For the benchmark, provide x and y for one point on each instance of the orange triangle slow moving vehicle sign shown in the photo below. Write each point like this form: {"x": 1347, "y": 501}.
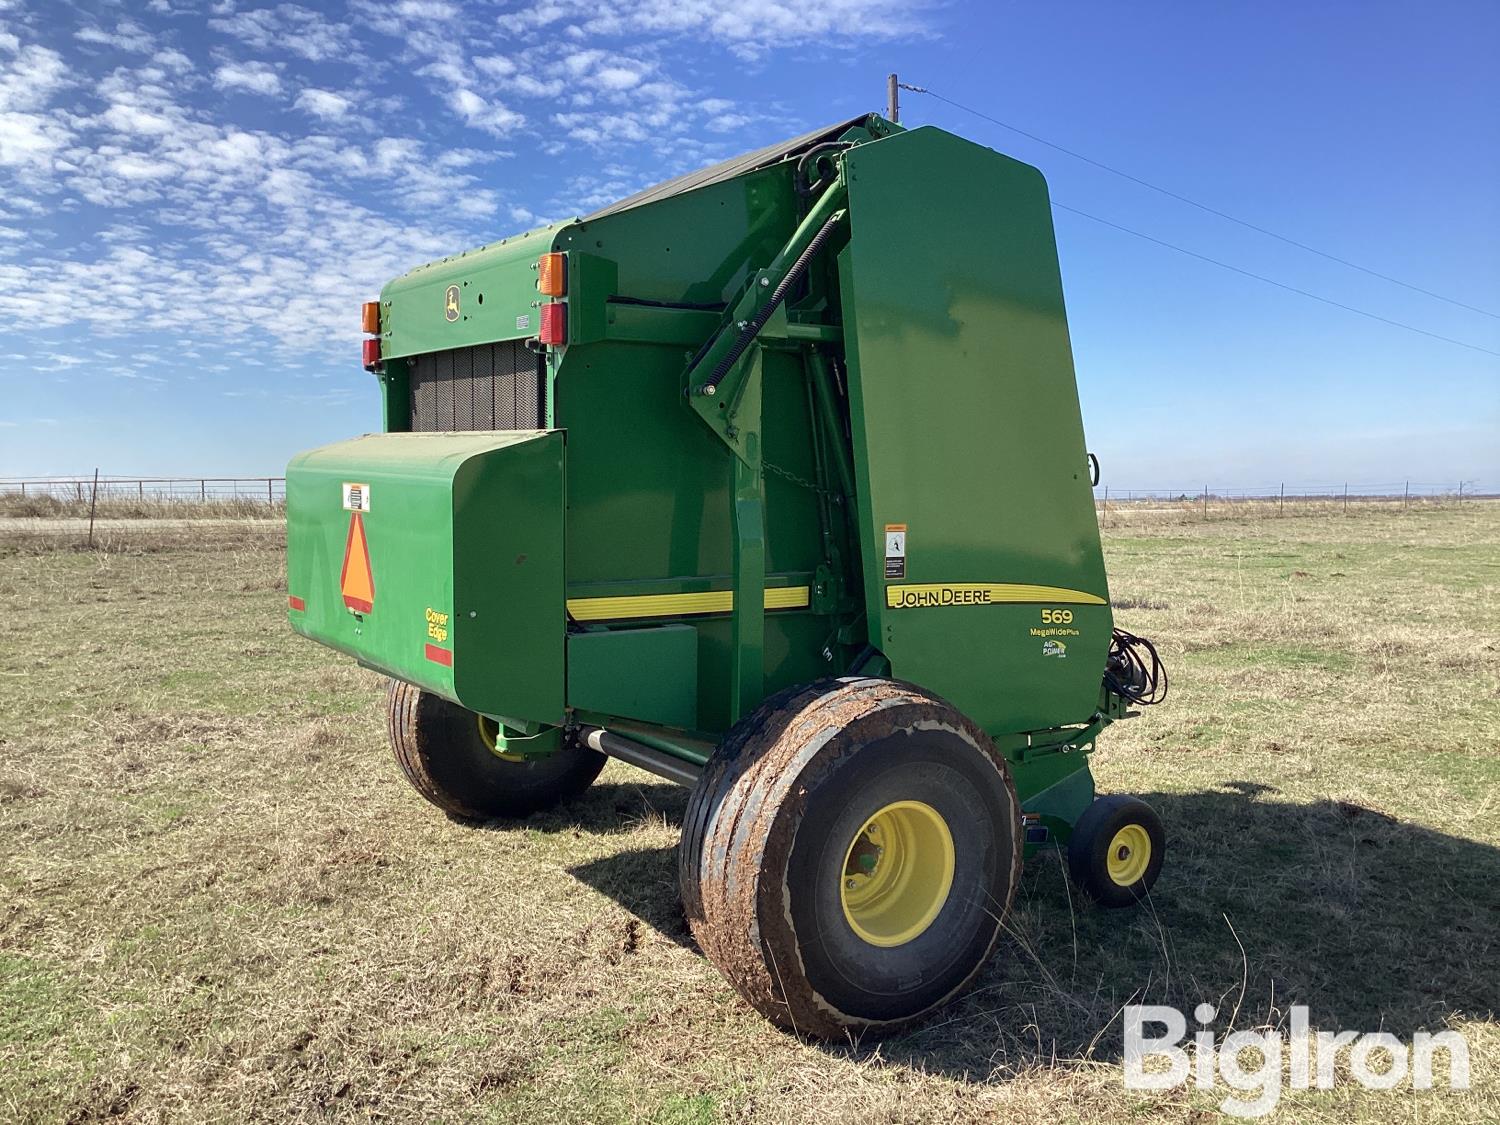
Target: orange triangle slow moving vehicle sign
{"x": 357, "y": 580}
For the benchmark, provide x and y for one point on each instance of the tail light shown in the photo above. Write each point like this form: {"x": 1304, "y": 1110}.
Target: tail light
{"x": 369, "y": 321}
{"x": 554, "y": 323}
{"x": 552, "y": 275}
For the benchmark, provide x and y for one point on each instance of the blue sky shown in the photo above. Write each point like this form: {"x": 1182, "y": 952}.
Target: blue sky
{"x": 196, "y": 196}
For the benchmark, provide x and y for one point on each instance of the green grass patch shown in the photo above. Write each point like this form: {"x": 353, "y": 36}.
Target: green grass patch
{"x": 219, "y": 901}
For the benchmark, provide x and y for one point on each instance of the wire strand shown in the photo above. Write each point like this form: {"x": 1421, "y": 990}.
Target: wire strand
{"x": 1273, "y": 281}
{"x": 1201, "y": 206}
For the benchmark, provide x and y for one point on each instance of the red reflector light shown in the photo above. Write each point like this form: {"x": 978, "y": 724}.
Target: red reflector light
{"x": 372, "y": 354}
{"x": 369, "y": 317}
{"x": 440, "y": 656}
{"x": 555, "y": 323}
{"x": 294, "y": 602}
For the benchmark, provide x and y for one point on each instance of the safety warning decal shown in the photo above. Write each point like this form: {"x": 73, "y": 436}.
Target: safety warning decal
{"x": 895, "y": 550}
{"x": 357, "y": 580}
{"x": 356, "y": 497}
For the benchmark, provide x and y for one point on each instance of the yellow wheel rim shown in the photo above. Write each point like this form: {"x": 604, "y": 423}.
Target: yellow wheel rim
{"x": 1129, "y": 855}
{"x": 489, "y": 732}
{"x": 897, "y": 873}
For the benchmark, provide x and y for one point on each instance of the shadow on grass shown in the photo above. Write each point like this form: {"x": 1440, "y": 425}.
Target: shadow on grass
{"x": 604, "y": 809}
{"x": 1372, "y": 923}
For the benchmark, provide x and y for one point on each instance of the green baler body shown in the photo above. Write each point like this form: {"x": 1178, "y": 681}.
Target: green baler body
{"x": 465, "y": 541}
{"x": 935, "y": 322}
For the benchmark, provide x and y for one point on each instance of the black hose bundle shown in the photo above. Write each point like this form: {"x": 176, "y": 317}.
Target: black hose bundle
{"x": 1134, "y": 670}
{"x": 756, "y": 323}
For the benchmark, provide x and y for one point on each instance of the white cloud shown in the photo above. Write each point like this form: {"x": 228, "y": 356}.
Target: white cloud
{"x": 216, "y": 217}
{"x": 127, "y": 36}
{"x": 750, "y": 27}
{"x": 289, "y": 27}
{"x": 31, "y": 141}
{"x": 32, "y": 78}
{"x": 617, "y": 77}
{"x": 496, "y": 66}
{"x": 253, "y": 77}
{"x": 727, "y": 122}
{"x": 492, "y": 117}
{"x": 324, "y": 104}
{"x": 174, "y": 60}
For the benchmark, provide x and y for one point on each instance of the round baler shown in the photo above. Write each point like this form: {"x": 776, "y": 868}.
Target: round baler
{"x": 770, "y": 480}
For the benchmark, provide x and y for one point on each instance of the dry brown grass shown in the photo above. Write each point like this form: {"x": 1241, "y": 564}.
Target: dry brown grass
{"x": 14, "y": 506}
{"x": 218, "y": 901}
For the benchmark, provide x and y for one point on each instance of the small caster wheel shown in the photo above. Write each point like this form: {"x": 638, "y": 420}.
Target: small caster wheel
{"x": 1116, "y": 850}
{"x": 450, "y": 756}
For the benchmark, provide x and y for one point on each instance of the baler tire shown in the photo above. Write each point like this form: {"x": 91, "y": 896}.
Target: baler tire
{"x": 1104, "y": 852}
{"x": 441, "y": 751}
{"x": 783, "y": 811}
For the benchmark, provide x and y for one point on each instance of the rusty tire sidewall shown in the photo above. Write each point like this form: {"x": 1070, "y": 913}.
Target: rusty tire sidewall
{"x": 901, "y": 753}
{"x": 759, "y": 793}
{"x": 740, "y": 749}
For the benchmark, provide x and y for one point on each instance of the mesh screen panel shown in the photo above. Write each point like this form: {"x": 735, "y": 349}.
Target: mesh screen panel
{"x": 486, "y": 387}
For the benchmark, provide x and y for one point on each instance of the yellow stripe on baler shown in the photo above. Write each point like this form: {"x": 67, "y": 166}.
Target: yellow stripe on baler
{"x": 680, "y": 605}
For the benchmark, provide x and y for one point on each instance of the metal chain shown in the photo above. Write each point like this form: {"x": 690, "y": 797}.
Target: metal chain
{"x": 787, "y": 474}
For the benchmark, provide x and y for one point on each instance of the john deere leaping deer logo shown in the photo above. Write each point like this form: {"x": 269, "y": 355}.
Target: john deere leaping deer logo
{"x": 450, "y": 303}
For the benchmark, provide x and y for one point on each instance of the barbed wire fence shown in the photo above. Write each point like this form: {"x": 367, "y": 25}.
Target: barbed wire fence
{"x": 82, "y": 490}
{"x": 42, "y": 496}
{"x": 1207, "y": 502}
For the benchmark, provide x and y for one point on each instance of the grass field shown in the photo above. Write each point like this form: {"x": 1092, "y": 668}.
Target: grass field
{"x": 218, "y": 900}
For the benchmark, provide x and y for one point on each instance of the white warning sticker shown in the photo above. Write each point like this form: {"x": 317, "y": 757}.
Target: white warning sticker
{"x": 356, "y": 497}
{"x": 895, "y": 550}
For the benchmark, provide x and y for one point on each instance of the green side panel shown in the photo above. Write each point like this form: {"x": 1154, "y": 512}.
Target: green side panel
{"x": 1058, "y": 785}
{"x": 649, "y": 486}
{"x": 465, "y": 544}
{"x": 646, "y": 674}
{"x": 967, "y": 430}
{"x": 495, "y": 290}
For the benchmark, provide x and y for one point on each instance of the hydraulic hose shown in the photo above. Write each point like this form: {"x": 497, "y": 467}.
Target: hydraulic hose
{"x": 753, "y": 326}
